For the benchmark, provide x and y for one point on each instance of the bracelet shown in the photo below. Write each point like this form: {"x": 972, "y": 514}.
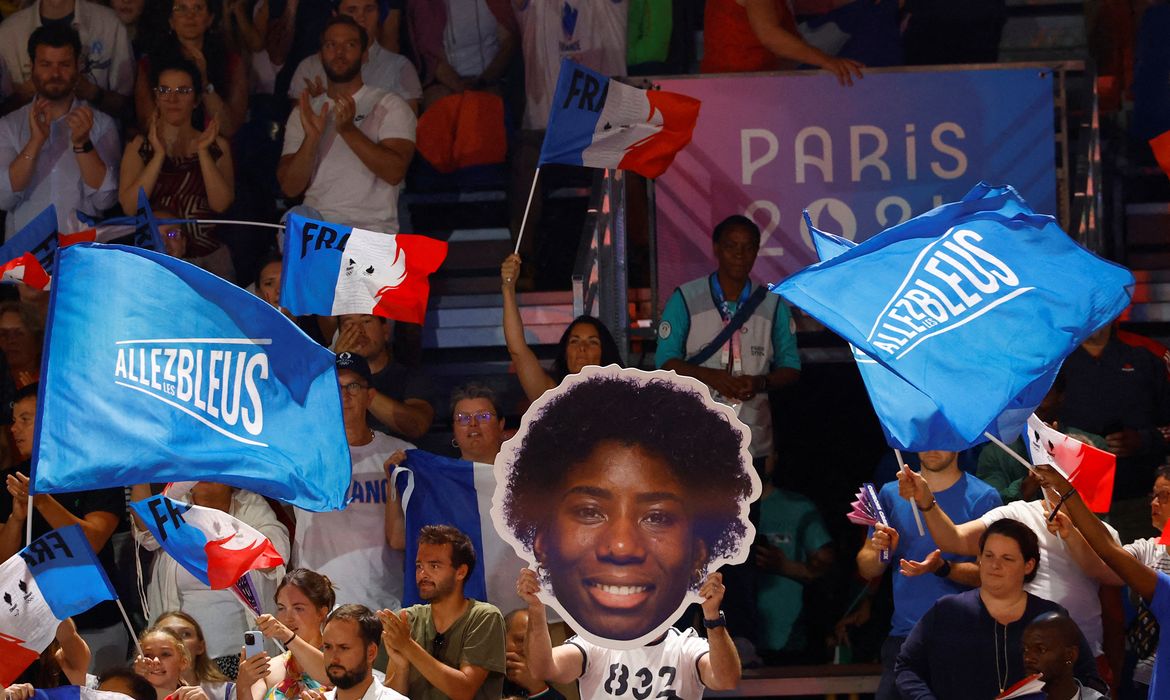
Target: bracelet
{"x": 1069, "y": 494}
{"x": 290, "y": 640}
{"x": 26, "y": 156}
{"x": 928, "y": 508}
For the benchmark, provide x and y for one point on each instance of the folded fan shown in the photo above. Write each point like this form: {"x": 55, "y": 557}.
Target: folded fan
{"x": 867, "y": 511}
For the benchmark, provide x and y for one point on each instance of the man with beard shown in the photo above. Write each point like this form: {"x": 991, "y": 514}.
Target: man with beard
{"x": 451, "y": 646}
{"x": 57, "y": 149}
{"x": 347, "y": 149}
{"x": 349, "y": 646}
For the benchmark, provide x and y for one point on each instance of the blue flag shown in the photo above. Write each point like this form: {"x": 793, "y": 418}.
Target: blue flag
{"x": 38, "y": 237}
{"x": 143, "y": 225}
{"x": 443, "y": 491}
{"x": 172, "y": 374}
{"x": 973, "y": 305}
{"x": 910, "y": 419}
{"x": 54, "y": 578}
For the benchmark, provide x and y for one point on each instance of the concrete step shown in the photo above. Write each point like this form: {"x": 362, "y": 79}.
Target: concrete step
{"x": 476, "y": 320}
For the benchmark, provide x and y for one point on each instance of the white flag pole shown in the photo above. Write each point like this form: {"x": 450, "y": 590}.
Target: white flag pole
{"x": 524, "y": 219}
{"x": 913, "y": 503}
{"x": 28, "y": 521}
{"x": 1027, "y": 465}
{"x": 129, "y": 627}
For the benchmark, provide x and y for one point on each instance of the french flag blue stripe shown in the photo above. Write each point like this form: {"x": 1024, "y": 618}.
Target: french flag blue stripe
{"x": 576, "y": 107}
{"x": 67, "y": 572}
{"x": 441, "y": 490}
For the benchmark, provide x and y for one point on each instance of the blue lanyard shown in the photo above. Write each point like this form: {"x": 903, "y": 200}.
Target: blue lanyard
{"x": 721, "y": 303}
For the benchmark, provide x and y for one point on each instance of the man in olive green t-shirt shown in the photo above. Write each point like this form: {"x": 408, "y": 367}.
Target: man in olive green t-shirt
{"x": 451, "y": 646}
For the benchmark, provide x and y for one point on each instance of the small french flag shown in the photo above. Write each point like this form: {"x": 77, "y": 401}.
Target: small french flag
{"x": 331, "y": 269}
{"x": 602, "y": 123}
{"x": 213, "y": 546}
{"x": 27, "y": 269}
{"x": 73, "y": 692}
{"x": 1088, "y": 469}
{"x": 54, "y": 578}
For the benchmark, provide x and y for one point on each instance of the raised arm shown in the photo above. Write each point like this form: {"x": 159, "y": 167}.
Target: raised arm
{"x": 1136, "y": 575}
{"x": 720, "y": 669}
{"x": 531, "y": 374}
{"x": 73, "y": 655}
{"x": 765, "y": 24}
{"x": 561, "y": 665}
{"x": 957, "y": 539}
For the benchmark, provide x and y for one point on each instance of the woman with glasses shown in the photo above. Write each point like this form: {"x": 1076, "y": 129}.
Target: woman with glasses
{"x": 192, "y": 34}
{"x": 182, "y": 169}
{"x": 477, "y": 423}
{"x": 585, "y": 342}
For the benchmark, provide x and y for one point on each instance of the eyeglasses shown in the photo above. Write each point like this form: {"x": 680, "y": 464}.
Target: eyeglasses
{"x": 165, "y": 90}
{"x": 439, "y": 645}
{"x": 354, "y": 388}
{"x": 1162, "y": 496}
{"x": 465, "y": 419}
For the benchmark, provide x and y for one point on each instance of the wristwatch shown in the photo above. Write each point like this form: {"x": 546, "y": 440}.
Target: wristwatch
{"x": 944, "y": 570}
{"x": 84, "y": 148}
{"x": 720, "y": 621}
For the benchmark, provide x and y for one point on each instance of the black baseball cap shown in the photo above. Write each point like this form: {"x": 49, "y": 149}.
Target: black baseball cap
{"x": 354, "y": 363}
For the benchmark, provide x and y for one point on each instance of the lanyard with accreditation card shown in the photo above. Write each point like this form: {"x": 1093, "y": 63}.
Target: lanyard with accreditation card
{"x": 731, "y": 355}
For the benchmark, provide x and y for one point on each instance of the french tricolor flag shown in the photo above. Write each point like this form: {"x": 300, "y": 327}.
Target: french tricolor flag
{"x": 602, "y": 123}
{"x": 440, "y": 490}
{"x": 54, "y": 578}
{"x": 26, "y": 269}
{"x": 213, "y": 546}
{"x": 331, "y": 269}
{"x": 1088, "y": 469}
{"x": 73, "y": 692}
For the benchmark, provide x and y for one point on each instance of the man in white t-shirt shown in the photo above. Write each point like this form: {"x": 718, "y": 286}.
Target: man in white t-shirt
{"x": 676, "y": 665}
{"x": 107, "y": 60}
{"x": 347, "y": 149}
{"x": 360, "y": 548}
{"x": 1069, "y": 572}
{"x": 381, "y": 68}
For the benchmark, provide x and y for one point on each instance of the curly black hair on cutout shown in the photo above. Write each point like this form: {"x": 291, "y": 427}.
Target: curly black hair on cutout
{"x": 699, "y": 446}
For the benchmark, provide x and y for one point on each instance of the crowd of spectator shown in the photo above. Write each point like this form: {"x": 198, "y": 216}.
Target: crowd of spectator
{"x": 249, "y": 108}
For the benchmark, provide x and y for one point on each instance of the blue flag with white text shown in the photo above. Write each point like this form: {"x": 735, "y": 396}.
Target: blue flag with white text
{"x": 169, "y": 373}
{"x": 910, "y": 419}
{"x": 974, "y": 305}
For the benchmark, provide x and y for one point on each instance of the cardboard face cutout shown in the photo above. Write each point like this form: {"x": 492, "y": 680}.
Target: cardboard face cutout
{"x": 623, "y": 489}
